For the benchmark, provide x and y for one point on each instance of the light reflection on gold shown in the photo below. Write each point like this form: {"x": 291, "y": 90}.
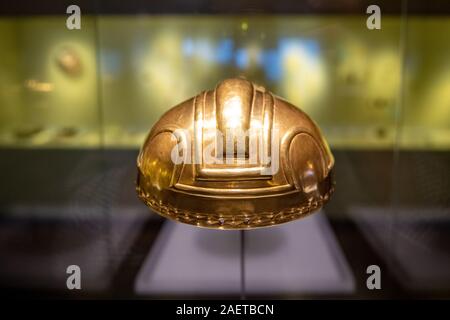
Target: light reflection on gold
{"x": 232, "y": 112}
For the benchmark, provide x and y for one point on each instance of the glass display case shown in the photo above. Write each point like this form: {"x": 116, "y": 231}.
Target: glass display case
{"x": 76, "y": 105}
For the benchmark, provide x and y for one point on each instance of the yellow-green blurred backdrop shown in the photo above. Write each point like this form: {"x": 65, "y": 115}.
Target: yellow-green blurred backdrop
{"x": 365, "y": 88}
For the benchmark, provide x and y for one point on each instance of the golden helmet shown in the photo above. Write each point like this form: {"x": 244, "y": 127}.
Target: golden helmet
{"x": 236, "y": 157}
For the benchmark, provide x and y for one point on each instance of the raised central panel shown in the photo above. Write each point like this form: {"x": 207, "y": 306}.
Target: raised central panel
{"x": 232, "y": 133}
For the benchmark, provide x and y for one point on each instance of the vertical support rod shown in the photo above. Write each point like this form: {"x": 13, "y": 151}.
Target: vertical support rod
{"x": 242, "y": 238}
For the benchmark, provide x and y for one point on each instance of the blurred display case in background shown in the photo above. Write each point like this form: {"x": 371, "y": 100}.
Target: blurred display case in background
{"x": 110, "y": 82}
{"x": 75, "y": 105}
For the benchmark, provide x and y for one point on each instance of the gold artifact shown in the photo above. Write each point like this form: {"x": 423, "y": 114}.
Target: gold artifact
{"x": 236, "y": 157}
{"x": 69, "y": 61}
